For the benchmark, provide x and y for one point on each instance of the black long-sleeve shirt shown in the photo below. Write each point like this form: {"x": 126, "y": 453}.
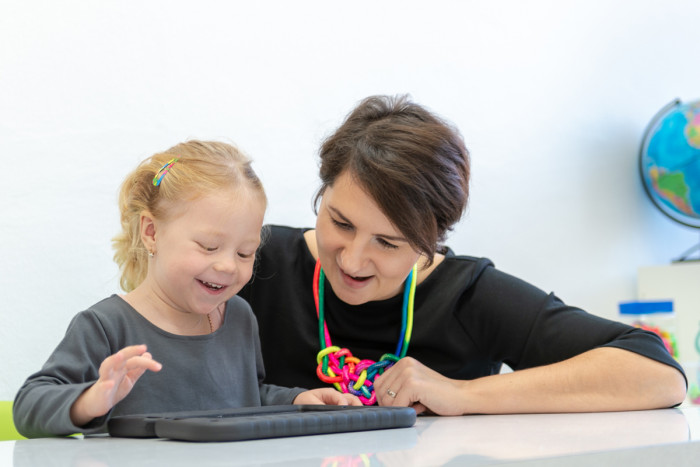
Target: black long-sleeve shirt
{"x": 469, "y": 319}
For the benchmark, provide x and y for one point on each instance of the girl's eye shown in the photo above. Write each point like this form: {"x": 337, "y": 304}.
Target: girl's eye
{"x": 387, "y": 245}
{"x": 207, "y": 248}
{"x": 246, "y": 255}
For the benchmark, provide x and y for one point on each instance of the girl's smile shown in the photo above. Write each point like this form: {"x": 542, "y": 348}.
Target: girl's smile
{"x": 203, "y": 254}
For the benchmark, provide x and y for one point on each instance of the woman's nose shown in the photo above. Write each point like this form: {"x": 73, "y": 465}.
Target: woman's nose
{"x": 352, "y": 258}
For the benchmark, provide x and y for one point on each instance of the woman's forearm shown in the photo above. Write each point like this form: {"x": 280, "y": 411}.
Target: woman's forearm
{"x": 603, "y": 379}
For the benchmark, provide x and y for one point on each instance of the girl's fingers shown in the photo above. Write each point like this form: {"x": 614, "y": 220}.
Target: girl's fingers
{"x": 128, "y": 359}
{"x": 142, "y": 363}
{"x": 132, "y": 351}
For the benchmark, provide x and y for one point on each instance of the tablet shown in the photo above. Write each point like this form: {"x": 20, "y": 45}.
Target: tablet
{"x": 271, "y": 421}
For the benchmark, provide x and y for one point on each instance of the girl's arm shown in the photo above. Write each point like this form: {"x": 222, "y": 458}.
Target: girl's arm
{"x": 118, "y": 374}
{"x": 44, "y": 404}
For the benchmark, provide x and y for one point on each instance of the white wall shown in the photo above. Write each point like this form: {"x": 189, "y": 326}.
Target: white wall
{"x": 552, "y": 98}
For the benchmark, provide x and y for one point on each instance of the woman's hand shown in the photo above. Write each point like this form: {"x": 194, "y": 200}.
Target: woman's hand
{"x": 118, "y": 374}
{"x": 599, "y": 380}
{"x": 409, "y": 383}
{"x": 326, "y": 396}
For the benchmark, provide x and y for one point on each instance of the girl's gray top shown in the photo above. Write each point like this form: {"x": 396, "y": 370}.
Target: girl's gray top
{"x": 223, "y": 369}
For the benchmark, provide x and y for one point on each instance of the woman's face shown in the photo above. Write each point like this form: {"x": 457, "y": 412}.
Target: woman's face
{"x": 363, "y": 256}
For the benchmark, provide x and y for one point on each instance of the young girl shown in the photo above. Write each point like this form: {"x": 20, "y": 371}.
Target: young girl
{"x": 180, "y": 338}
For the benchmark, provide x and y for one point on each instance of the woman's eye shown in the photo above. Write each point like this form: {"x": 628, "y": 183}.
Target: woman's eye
{"x": 387, "y": 245}
{"x": 341, "y": 225}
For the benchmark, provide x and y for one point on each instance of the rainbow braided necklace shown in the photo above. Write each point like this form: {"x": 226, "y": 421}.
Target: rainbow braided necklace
{"x": 338, "y": 366}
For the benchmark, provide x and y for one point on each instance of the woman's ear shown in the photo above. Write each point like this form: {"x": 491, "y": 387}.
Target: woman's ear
{"x": 148, "y": 231}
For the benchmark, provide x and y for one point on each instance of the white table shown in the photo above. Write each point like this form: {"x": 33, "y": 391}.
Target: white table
{"x": 656, "y": 437}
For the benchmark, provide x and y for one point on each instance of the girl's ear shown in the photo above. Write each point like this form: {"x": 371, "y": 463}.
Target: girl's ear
{"x": 148, "y": 231}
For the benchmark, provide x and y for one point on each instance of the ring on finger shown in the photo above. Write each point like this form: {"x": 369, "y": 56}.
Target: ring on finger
{"x": 391, "y": 393}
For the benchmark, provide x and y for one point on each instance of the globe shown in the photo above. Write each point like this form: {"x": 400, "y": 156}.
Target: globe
{"x": 669, "y": 161}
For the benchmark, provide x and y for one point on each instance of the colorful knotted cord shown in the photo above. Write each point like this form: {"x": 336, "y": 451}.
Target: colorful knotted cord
{"x": 338, "y": 366}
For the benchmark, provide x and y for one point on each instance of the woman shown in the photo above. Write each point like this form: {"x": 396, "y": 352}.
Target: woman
{"x": 373, "y": 277}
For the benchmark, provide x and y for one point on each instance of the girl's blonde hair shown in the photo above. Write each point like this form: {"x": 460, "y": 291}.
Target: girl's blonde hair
{"x": 202, "y": 167}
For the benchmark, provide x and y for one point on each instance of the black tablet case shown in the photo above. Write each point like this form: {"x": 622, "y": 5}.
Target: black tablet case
{"x": 260, "y": 422}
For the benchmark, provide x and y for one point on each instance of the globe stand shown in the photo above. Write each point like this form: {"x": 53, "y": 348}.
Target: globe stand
{"x": 685, "y": 256}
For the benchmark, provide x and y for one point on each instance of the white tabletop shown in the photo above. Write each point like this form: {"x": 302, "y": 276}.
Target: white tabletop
{"x": 656, "y": 437}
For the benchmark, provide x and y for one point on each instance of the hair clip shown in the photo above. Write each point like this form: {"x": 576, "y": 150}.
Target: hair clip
{"x": 163, "y": 170}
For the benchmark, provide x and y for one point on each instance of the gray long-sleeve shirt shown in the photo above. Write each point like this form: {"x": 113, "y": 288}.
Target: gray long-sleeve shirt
{"x": 219, "y": 370}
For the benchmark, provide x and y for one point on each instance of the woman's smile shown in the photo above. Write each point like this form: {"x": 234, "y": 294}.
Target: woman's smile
{"x": 363, "y": 256}
{"x": 354, "y": 281}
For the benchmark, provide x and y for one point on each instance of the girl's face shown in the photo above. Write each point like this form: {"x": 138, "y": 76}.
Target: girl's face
{"x": 204, "y": 251}
{"x": 363, "y": 256}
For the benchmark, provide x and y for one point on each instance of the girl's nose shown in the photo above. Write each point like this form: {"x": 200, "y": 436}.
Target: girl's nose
{"x": 226, "y": 264}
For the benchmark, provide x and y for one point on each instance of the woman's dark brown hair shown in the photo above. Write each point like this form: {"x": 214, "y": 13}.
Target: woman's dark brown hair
{"x": 410, "y": 161}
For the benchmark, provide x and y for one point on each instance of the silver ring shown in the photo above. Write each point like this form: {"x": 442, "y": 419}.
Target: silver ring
{"x": 391, "y": 393}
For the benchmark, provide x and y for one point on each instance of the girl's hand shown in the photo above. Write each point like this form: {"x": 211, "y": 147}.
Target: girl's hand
{"x": 118, "y": 374}
{"x": 409, "y": 383}
{"x": 326, "y": 396}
